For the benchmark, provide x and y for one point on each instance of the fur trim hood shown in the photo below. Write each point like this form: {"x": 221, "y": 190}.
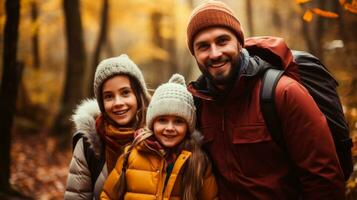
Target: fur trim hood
{"x": 84, "y": 120}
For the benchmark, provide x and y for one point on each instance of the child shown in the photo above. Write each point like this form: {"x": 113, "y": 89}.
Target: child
{"x": 165, "y": 161}
{"x": 105, "y": 126}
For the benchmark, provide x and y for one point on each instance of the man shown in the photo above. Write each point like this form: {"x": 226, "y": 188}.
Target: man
{"x": 248, "y": 163}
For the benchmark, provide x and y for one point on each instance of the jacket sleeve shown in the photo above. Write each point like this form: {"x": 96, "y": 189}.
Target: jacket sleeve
{"x": 209, "y": 189}
{"x": 111, "y": 184}
{"x": 309, "y": 142}
{"x": 79, "y": 183}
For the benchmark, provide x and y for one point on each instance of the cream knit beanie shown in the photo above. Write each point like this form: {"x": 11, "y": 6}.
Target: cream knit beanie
{"x": 115, "y": 66}
{"x": 172, "y": 98}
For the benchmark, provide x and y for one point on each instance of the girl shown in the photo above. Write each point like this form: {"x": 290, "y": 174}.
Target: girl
{"x": 165, "y": 161}
{"x": 105, "y": 126}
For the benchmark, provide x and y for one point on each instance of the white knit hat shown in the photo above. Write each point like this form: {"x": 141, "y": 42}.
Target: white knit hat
{"x": 172, "y": 98}
{"x": 109, "y": 67}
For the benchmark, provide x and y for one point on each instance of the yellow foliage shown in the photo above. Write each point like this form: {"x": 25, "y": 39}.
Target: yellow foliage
{"x": 145, "y": 52}
{"x": 308, "y": 16}
{"x": 352, "y": 7}
{"x": 324, "y": 13}
{"x": 302, "y": 1}
{"x": 351, "y": 184}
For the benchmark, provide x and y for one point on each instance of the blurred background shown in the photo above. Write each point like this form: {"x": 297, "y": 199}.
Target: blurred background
{"x": 50, "y": 48}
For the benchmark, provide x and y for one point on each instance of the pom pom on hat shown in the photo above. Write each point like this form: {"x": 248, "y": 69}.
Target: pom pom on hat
{"x": 172, "y": 98}
{"x": 178, "y": 78}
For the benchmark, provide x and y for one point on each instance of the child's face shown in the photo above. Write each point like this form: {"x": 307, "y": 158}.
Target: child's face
{"x": 119, "y": 100}
{"x": 170, "y": 130}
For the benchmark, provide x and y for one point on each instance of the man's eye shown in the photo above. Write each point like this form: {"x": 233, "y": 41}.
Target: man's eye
{"x": 202, "y": 46}
{"x": 222, "y": 41}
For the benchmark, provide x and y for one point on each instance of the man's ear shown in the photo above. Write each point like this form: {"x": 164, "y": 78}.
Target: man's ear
{"x": 239, "y": 47}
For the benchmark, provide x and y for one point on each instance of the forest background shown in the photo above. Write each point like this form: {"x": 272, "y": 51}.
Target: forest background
{"x": 50, "y": 48}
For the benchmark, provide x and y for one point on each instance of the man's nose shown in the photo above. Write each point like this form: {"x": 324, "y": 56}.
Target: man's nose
{"x": 215, "y": 52}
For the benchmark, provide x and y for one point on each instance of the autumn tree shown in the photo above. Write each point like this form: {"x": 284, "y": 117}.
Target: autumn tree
{"x": 101, "y": 41}
{"x": 35, "y": 35}
{"x": 75, "y": 66}
{"x": 249, "y": 11}
{"x": 9, "y": 85}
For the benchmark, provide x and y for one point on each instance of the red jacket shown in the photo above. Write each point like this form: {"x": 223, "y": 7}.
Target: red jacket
{"x": 249, "y": 164}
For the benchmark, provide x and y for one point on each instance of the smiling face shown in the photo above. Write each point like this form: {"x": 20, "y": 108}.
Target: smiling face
{"x": 170, "y": 130}
{"x": 217, "y": 51}
{"x": 119, "y": 100}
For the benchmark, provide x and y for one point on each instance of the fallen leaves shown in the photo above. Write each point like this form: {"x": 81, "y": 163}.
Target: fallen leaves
{"x": 37, "y": 169}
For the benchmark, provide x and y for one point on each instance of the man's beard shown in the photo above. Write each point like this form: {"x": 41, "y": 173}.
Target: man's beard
{"x": 220, "y": 79}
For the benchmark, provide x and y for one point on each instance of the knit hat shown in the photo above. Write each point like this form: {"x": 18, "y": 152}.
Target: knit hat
{"x": 212, "y": 13}
{"x": 172, "y": 98}
{"x": 110, "y": 67}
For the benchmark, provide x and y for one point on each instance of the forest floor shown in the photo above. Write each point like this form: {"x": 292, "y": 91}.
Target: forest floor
{"x": 38, "y": 169}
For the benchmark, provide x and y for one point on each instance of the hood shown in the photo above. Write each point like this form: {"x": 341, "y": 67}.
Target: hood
{"x": 84, "y": 120}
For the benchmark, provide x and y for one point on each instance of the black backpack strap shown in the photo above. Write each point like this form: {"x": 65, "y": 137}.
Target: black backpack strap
{"x": 267, "y": 103}
{"x": 95, "y": 163}
{"x": 197, "y": 102}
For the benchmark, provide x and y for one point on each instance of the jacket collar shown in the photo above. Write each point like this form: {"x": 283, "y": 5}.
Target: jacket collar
{"x": 249, "y": 67}
{"x": 84, "y": 120}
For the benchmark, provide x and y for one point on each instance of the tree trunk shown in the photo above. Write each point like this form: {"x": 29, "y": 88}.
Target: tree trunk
{"x": 9, "y": 85}
{"x": 276, "y": 16}
{"x": 75, "y": 66}
{"x": 249, "y": 10}
{"x": 171, "y": 48}
{"x": 305, "y": 29}
{"x": 156, "y": 18}
{"x": 35, "y": 40}
{"x": 319, "y": 33}
{"x": 102, "y": 39}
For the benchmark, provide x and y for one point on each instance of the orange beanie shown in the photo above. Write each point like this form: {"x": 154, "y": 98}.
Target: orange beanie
{"x": 212, "y": 13}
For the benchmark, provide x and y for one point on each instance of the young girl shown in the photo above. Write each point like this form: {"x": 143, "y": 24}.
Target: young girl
{"x": 105, "y": 126}
{"x": 165, "y": 161}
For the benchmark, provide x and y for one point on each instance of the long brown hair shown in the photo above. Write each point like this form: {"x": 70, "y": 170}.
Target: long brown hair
{"x": 142, "y": 101}
{"x": 195, "y": 168}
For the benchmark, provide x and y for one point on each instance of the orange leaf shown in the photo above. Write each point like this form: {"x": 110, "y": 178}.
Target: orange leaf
{"x": 308, "y": 16}
{"x": 351, "y": 8}
{"x": 324, "y": 13}
{"x": 301, "y": 1}
{"x": 342, "y": 2}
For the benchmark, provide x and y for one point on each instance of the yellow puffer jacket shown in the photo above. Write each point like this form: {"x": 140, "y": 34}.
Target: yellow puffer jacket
{"x": 145, "y": 177}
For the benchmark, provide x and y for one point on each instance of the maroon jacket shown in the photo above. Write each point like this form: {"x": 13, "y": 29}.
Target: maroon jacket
{"x": 249, "y": 164}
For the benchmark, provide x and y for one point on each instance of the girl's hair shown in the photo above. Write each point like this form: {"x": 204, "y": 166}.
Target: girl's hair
{"x": 142, "y": 101}
{"x": 195, "y": 168}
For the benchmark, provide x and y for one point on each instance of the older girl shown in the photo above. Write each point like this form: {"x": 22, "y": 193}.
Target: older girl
{"x": 106, "y": 125}
{"x": 165, "y": 160}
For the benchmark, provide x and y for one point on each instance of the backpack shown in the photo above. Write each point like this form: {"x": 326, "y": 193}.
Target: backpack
{"x": 315, "y": 77}
{"x": 95, "y": 163}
